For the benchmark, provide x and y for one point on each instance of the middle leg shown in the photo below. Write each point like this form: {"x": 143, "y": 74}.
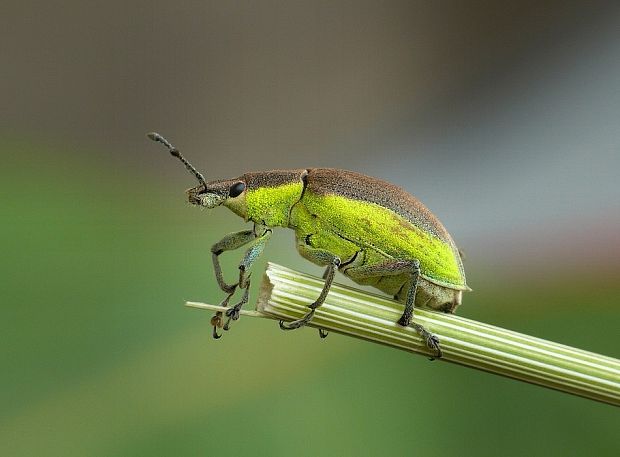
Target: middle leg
{"x": 321, "y": 257}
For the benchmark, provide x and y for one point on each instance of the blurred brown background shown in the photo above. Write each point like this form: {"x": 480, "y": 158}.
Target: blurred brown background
{"x": 501, "y": 116}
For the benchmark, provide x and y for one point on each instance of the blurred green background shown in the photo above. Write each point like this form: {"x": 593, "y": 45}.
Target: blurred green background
{"x": 501, "y": 117}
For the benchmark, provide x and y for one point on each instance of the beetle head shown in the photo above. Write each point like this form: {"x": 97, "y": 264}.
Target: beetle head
{"x": 230, "y": 192}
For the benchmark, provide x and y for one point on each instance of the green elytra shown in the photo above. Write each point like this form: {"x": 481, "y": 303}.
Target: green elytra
{"x": 370, "y": 230}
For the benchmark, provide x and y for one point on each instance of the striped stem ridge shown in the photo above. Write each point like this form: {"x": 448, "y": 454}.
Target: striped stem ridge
{"x": 285, "y": 295}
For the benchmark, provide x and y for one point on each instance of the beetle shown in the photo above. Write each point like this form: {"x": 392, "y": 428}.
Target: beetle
{"x": 371, "y": 231}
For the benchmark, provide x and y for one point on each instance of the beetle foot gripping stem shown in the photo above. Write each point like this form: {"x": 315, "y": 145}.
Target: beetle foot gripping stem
{"x": 432, "y": 342}
{"x": 217, "y": 320}
{"x": 298, "y": 323}
{"x": 301, "y": 322}
{"x": 233, "y": 313}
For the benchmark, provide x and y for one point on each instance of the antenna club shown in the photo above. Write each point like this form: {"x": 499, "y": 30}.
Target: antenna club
{"x": 175, "y": 152}
{"x": 160, "y": 139}
{"x": 154, "y": 136}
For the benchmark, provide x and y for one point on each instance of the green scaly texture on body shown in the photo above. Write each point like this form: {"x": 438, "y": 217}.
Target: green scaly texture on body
{"x": 384, "y": 231}
{"x": 272, "y": 205}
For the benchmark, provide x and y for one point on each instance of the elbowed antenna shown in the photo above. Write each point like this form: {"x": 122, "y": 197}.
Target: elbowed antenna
{"x": 175, "y": 152}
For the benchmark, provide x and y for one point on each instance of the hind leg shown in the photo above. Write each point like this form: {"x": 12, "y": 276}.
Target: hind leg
{"x": 394, "y": 267}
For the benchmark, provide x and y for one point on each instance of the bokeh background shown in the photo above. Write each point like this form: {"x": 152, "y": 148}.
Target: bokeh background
{"x": 503, "y": 117}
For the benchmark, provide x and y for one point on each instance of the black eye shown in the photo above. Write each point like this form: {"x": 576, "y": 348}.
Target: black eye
{"x": 236, "y": 189}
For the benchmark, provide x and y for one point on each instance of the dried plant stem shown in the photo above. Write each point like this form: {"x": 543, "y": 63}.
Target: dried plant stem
{"x": 285, "y": 294}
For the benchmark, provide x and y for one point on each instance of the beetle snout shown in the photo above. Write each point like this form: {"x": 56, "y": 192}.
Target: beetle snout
{"x": 193, "y": 195}
{"x": 193, "y": 198}
{"x": 204, "y": 199}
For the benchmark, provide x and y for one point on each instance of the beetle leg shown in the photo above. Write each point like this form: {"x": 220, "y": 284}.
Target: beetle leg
{"x": 405, "y": 319}
{"x": 230, "y": 242}
{"x": 216, "y": 321}
{"x": 322, "y": 332}
{"x": 233, "y": 313}
{"x": 251, "y": 255}
{"x": 397, "y": 267}
{"x": 244, "y": 277}
{"x": 333, "y": 263}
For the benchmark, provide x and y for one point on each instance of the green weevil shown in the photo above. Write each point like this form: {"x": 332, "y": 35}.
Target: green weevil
{"x": 371, "y": 231}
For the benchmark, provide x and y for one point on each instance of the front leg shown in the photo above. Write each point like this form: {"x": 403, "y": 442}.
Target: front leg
{"x": 320, "y": 257}
{"x": 230, "y": 242}
{"x": 246, "y": 263}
